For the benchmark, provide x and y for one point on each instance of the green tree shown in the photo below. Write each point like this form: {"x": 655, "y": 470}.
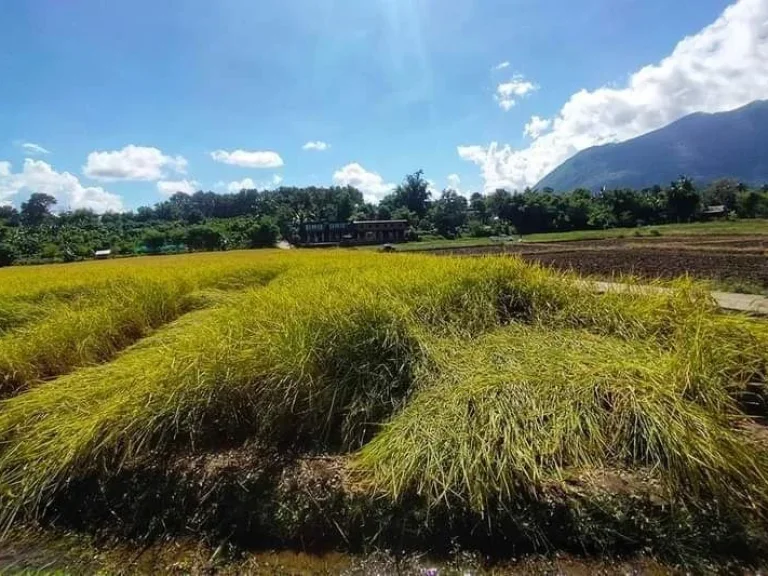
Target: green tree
{"x": 449, "y": 213}
{"x": 404, "y": 214}
{"x": 478, "y": 207}
{"x": 9, "y": 216}
{"x": 752, "y": 204}
{"x": 682, "y": 200}
{"x": 576, "y": 209}
{"x": 385, "y": 211}
{"x": 7, "y": 254}
{"x": 412, "y": 193}
{"x": 500, "y": 205}
{"x": 37, "y": 209}
{"x": 264, "y": 233}
{"x": 50, "y": 251}
{"x": 153, "y": 240}
{"x": 722, "y": 192}
{"x": 202, "y": 237}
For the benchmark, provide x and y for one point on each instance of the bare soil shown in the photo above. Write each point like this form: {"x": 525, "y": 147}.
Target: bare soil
{"x": 725, "y": 258}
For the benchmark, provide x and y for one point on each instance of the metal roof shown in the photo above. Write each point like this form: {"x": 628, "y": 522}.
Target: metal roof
{"x": 380, "y": 222}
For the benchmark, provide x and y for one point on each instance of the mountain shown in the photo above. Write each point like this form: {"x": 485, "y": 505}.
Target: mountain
{"x": 704, "y": 147}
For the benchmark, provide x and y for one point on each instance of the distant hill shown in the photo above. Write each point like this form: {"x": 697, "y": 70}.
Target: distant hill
{"x": 704, "y": 147}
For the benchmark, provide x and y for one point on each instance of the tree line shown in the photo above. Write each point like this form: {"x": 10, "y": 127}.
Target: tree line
{"x": 253, "y": 218}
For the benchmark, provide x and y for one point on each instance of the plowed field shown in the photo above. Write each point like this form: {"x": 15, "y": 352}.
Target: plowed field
{"x": 719, "y": 258}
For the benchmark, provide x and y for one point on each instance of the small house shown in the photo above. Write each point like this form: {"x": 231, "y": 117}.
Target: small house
{"x": 102, "y": 254}
{"x": 714, "y": 211}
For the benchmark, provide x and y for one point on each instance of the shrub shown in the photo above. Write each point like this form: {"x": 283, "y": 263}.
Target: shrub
{"x": 7, "y": 255}
{"x": 479, "y": 230}
{"x": 201, "y": 237}
{"x": 153, "y": 240}
{"x": 263, "y": 234}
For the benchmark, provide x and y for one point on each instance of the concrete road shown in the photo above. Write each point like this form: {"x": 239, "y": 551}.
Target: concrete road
{"x": 726, "y": 300}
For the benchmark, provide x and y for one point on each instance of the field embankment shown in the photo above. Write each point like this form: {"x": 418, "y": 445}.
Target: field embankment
{"x": 352, "y": 399}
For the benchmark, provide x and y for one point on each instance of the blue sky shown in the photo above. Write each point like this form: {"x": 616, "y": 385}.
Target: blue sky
{"x": 131, "y": 100}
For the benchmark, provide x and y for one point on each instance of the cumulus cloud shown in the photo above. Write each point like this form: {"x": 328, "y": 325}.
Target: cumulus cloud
{"x": 38, "y": 176}
{"x": 32, "y": 148}
{"x": 454, "y": 181}
{"x": 244, "y": 184}
{"x": 249, "y": 184}
{"x": 132, "y": 163}
{"x": 476, "y": 154}
{"x": 371, "y": 184}
{"x": 720, "y": 68}
{"x": 318, "y": 145}
{"x": 517, "y": 87}
{"x": 501, "y": 65}
{"x": 536, "y": 127}
{"x": 170, "y": 187}
{"x": 248, "y": 159}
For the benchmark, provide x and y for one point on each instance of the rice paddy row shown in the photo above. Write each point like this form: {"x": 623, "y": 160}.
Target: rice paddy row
{"x": 470, "y": 393}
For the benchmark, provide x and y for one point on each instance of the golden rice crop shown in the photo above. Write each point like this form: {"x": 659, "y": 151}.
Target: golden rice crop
{"x": 478, "y": 379}
{"x": 94, "y": 322}
{"x": 514, "y": 410}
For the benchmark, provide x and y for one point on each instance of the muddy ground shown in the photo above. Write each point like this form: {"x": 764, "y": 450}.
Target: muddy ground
{"x": 722, "y": 258}
{"x": 67, "y": 554}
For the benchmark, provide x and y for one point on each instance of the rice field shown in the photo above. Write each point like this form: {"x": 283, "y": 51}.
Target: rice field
{"x": 348, "y": 396}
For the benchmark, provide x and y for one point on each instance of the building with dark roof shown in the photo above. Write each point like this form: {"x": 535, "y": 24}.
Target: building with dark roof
{"x": 357, "y": 232}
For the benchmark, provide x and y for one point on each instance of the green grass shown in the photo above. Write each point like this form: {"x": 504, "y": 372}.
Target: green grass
{"x": 724, "y": 228}
{"x": 437, "y": 244}
{"x": 738, "y": 286}
{"x": 467, "y": 384}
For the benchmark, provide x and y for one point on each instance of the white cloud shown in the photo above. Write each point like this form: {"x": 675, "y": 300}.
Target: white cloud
{"x": 454, "y": 181}
{"x": 170, "y": 187}
{"x": 501, "y": 65}
{"x": 32, "y": 148}
{"x": 38, "y": 176}
{"x": 249, "y": 184}
{"x": 371, "y": 184}
{"x": 248, "y": 159}
{"x": 506, "y": 104}
{"x": 244, "y": 184}
{"x": 132, "y": 163}
{"x": 536, "y": 127}
{"x": 318, "y": 145}
{"x": 722, "y": 67}
{"x": 476, "y": 154}
{"x": 517, "y": 87}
